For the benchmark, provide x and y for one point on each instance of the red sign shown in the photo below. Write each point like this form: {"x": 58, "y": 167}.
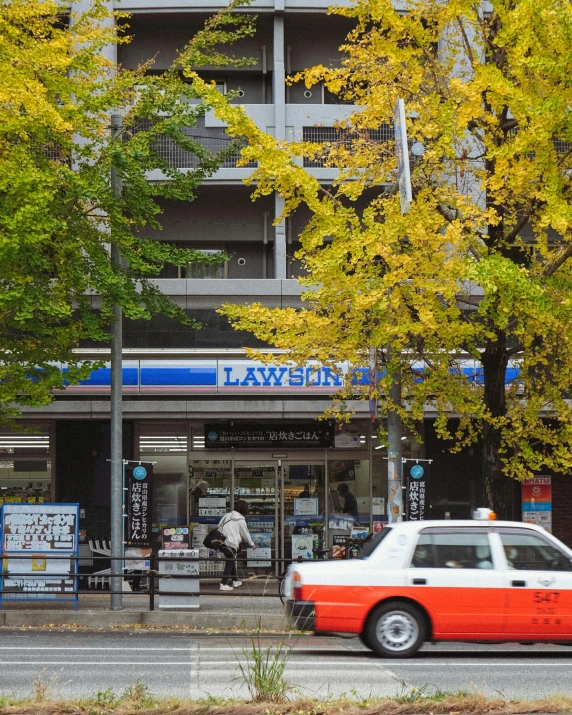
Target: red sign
{"x": 538, "y": 489}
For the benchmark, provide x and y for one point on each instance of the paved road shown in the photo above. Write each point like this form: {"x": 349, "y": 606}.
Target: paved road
{"x": 75, "y": 664}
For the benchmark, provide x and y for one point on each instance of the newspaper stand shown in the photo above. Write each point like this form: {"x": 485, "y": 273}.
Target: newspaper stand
{"x": 39, "y": 549}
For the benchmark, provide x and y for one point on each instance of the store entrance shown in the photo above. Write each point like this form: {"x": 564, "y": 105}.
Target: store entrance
{"x": 256, "y": 483}
{"x": 303, "y": 510}
{"x": 286, "y": 510}
{"x": 297, "y": 507}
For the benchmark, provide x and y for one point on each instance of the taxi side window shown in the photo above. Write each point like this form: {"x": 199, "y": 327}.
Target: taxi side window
{"x": 453, "y": 550}
{"x": 530, "y": 552}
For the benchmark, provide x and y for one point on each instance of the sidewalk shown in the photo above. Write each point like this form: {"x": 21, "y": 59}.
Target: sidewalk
{"x": 225, "y": 612}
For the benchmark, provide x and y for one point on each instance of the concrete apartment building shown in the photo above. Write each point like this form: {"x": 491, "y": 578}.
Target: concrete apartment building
{"x": 217, "y": 425}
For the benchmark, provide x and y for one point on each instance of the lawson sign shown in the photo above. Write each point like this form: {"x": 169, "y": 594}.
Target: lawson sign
{"x": 220, "y": 376}
{"x": 242, "y": 376}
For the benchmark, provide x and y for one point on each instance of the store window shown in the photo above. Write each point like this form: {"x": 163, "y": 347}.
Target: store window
{"x": 166, "y": 446}
{"x": 349, "y": 500}
{"x": 304, "y": 510}
{"x": 26, "y": 464}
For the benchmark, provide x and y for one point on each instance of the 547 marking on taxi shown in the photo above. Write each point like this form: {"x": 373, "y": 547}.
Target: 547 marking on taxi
{"x": 546, "y": 596}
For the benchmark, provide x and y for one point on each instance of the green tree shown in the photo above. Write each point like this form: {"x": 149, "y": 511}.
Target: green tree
{"x": 479, "y": 267}
{"x": 57, "y": 205}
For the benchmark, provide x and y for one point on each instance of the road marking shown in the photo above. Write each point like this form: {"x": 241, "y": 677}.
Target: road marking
{"x": 374, "y": 665}
{"x": 27, "y": 647}
{"x": 194, "y": 669}
{"x": 154, "y": 664}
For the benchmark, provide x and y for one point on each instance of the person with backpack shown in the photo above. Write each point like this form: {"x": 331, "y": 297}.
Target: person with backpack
{"x": 234, "y": 529}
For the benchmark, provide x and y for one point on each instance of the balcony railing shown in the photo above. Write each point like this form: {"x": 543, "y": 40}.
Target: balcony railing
{"x": 214, "y": 139}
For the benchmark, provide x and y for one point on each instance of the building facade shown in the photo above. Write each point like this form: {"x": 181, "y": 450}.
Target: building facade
{"x": 217, "y": 426}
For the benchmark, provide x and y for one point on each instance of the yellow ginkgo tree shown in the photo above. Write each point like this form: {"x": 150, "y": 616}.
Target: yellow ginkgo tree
{"x": 472, "y": 287}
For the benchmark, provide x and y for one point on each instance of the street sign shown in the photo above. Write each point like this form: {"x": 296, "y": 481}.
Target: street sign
{"x": 402, "y": 154}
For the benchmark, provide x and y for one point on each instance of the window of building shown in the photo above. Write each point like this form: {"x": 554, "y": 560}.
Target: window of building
{"x": 25, "y": 464}
{"x": 205, "y": 270}
{"x": 530, "y": 552}
{"x": 165, "y": 445}
{"x": 456, "y": 550}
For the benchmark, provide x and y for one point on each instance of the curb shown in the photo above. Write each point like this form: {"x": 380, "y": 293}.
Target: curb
{"x": 99, "y": 619}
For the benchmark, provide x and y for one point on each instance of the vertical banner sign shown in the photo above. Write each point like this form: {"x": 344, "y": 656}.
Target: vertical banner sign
{"x": 537, "y": 502}
{"x": 139, "y": 504}
{"x": 417, "y": 488}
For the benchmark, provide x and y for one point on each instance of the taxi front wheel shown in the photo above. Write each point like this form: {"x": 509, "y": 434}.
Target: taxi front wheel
{"x": 395, "y": 630}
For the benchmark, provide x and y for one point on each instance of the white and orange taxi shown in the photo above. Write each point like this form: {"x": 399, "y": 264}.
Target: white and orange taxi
{"x": 481, "y": 580}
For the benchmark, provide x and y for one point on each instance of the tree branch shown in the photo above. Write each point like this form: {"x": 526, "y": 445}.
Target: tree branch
{"x": 551, "y": 270}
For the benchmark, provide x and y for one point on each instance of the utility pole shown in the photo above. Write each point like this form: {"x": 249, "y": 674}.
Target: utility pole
{"x": 394, "y": 423}
{"x": 394, "y": 452}
{"x": 116, "y": 580}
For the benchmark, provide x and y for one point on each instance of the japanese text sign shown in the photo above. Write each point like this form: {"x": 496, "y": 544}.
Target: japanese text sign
{"x": 39, "y": 527}
{"x": 139, "y": 504}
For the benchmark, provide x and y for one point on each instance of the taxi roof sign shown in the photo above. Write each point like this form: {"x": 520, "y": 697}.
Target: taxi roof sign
{"x": 484, "y": 514}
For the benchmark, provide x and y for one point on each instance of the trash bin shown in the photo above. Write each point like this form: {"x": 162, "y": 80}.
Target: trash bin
{"x": 186, "y": 582}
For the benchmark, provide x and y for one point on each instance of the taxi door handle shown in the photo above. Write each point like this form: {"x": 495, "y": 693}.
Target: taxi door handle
{"x": 518, "y": 583}
{"x": 419, "y": 581}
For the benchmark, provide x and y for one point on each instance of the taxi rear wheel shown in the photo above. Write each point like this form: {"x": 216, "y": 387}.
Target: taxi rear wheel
{"x": 395, "y": 630}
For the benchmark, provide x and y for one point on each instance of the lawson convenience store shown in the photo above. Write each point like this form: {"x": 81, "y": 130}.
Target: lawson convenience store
{"x": 219, "y": 430}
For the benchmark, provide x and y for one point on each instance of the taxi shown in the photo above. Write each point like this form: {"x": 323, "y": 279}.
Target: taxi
{"x": 481, "y": 580}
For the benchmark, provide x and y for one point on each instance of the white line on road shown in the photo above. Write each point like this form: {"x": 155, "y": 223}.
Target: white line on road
{"x": 27, "y": 647}
{"x": 138, "y": 663}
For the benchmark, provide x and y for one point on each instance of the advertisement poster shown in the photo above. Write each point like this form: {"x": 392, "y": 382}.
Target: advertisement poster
{"x": 49, "y": 527}
{"x": 305, "y": 506}
{"x": 537, "y": 502}
{"x": 340, "y": 546}
{"x": 43, "y": 531}
{"x": 260, "y": 557}
{"x": 176, "y": 538}
{"x": 360, "y": 534}
{"x": 139, "y": 508}
{"x": 417, "y": 483}
{"x": 304, "y": 545}
{"x": 378, "y": 506}
{"x": 340, "y": 522}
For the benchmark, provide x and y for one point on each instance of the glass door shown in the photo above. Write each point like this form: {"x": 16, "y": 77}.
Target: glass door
{"x": 303, "y": 510}
{"x": 255, "y": 483}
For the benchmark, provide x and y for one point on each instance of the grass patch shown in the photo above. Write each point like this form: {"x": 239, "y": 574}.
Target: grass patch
{"x": 137, "y": 700}
{"x": 263, "y": 670}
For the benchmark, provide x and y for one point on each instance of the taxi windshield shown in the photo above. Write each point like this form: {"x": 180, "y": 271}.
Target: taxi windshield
{"x": 370, "y": 546}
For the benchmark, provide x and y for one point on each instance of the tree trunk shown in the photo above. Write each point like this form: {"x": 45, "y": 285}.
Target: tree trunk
{"x": 494, "y": 361}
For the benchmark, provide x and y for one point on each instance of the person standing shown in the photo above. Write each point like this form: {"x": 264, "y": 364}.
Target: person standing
{"x": 350, "y": 502}
{"x": 234, "y": 529}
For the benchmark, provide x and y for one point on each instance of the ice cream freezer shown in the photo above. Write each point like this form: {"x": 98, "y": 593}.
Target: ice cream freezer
{"x": 179, "y": 578}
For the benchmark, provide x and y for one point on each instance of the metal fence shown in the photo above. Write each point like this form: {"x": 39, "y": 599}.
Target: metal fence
{"x": 144, "y": 582}
{"x": 331, "y": 137}
{"x": 213, "y": 139}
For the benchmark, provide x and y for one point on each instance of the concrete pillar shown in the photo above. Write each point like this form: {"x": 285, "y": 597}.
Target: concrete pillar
{"x": 279, "y": 241}
{"x": 280, "y": 133}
